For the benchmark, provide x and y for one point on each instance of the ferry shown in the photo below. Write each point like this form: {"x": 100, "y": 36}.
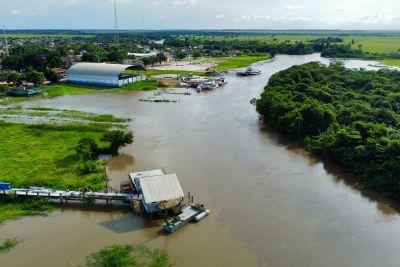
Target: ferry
{"x": 249, "y": 72}
{"x": 191, "y": 213}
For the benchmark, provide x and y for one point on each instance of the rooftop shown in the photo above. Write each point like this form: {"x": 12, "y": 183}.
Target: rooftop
{"x": 98, "y": 69}
{"x": 161, "y": 188}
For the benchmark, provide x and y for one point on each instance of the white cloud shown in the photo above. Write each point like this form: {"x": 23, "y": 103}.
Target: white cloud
{"x": 253, "y": 17}
{"x": 183, "y": 2}
{"x": 220, "y": 16}
{"x": 300, "y": 18}
{"x": 294, "y": 7}
{"x": 15, "y": 11}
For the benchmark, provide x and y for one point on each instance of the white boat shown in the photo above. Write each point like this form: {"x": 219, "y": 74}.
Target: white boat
{"x": 191, "y": 213}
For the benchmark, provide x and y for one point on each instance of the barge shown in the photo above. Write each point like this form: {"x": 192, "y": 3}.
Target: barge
{"x": 191, "y": 213}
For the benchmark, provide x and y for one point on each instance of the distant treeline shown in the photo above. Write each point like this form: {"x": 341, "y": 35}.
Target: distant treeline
{"x": 349, "y": 116}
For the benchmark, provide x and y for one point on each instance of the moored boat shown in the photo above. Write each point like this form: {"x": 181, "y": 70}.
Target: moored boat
{"x": 249, "y": 72}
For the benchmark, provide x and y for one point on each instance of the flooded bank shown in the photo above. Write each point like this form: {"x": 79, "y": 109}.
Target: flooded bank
{"x": 272, "y": 204}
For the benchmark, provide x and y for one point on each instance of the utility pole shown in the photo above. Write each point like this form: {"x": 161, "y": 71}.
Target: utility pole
{"x": 142, "y": 30}
{"x": 116, "y": 22}
{"x": 5, "y": 42}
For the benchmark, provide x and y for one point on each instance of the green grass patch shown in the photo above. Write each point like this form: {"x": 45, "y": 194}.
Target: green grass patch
{"x": 44, "y": 155}
{"x": 390, "y": 62}
{"x": 128, "y": 256}
{"x": 13, "y": 208}
{"x": 8, "y": 244}
{"x": 51, "y": 91}
{"x": 147, "y": 85}
{"x": 227, "y": 63}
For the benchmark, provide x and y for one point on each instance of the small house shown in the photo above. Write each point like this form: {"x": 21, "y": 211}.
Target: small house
{"x": 159, "y": 191}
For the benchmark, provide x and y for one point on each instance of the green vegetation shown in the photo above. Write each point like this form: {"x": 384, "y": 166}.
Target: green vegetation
{"x": 147, "y": 85}
{"x": 8, "y": 244}
{"x": 228, "y": 63}
{"x": 128, "y": 256}
{"x": 51, "y": 159}
{"x": 56, "y": 90}
{"x": 49, "y": 35}
{"x": 348, "y": 116}
{"x": 54, "y": 115}
{"x": 390, "y": 62}
{"x": 13, "y": 208}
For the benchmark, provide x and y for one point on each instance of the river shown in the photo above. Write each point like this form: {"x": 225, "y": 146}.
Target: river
{"x": 271, "y": 203}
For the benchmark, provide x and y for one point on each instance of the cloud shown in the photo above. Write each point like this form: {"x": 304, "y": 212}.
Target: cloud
{"x": 294, "y": 7}
{"x": 300, "y": 18}
{"x": 183, "y": 2}
{"x": 220, "y": 16}
{"x": 15, "y": 11}
{"x": 253, "y": 17}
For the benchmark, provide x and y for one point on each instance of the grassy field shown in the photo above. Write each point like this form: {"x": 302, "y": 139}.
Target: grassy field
{"x": 390, "y": 62}
{"x": 228, "y": 63}
{"x": 45, "y": 155}
{"x": 51, "y": 159}
{"x": 39, "y": 35}
{"x": 56, "y": 90}
{"x": 372, "y": 44}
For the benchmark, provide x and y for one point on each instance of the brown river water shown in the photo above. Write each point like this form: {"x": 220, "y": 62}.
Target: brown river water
{"x": 271, "y": 203}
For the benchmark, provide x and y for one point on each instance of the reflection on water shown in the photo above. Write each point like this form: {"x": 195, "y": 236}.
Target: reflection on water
{"x": 271, "y": 203}
{"x": 120, "y": 162}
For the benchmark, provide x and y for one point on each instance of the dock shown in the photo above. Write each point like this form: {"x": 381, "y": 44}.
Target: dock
{"x": 70, "y": 195}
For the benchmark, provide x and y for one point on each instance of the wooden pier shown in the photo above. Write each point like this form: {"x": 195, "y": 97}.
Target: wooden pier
{"x": 65, "y": 196}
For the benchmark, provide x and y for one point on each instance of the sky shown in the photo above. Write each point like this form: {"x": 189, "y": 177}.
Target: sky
{"x": 202, "y": 14}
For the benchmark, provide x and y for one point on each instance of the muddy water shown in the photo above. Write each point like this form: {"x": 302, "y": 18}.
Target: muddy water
{"x": 272, "y": 204}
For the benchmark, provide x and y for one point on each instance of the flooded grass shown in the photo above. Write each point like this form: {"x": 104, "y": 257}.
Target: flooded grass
{"x": 13, "y": 208}
{"x": 8, "y": 244}
{"x": 124, "y": 256}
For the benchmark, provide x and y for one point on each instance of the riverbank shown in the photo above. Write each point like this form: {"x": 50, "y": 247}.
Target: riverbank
{"x": 56, "y": 90}
{"x": 52, "y": 160}
{"x": 358, "y": 132}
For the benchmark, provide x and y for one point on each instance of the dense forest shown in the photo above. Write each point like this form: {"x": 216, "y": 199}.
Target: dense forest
{"x": 348, "y": 116}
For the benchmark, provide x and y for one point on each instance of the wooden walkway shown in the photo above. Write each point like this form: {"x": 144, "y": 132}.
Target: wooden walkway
{"x": 70, "y": 195}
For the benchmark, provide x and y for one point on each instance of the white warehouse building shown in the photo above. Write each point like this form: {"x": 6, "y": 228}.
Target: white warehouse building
{"x": 101, "y": 74}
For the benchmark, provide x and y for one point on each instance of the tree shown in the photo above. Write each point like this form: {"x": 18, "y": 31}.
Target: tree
{"x": 162, "y": 57}
{"x": 117, "y": 139}
{"x": 90, "y": 57}
{"x": 197, "y": 54}
{"x": 51, "y": 76}
{"x": 116, "y": 55}
{"x": 35, "y": 77}
{"x": 87, "y": 149}
{"x": 15, "y": 78}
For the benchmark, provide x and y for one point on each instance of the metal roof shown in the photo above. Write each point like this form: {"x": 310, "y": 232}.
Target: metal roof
{"x": 101, "y": 69}
{"x": 135, "y": 175}
{"x": 161, "y": 188}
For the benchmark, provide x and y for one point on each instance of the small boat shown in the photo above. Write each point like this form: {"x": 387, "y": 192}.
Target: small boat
{"x": 220, "y": 81}
{"x": 191, "y": 213}
{"x": 249, "y": 72}
{"x": 209, "y": 85}
{"x": 24, "y": 91}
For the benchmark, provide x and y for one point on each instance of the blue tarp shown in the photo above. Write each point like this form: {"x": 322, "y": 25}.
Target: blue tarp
{"x": 5, "y": 186}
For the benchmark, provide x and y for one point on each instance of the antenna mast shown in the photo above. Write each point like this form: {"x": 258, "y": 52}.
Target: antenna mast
{"x": 142, "y": 30}
{"x": 116, "y": 23}
{"x": 5, "y": 42}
